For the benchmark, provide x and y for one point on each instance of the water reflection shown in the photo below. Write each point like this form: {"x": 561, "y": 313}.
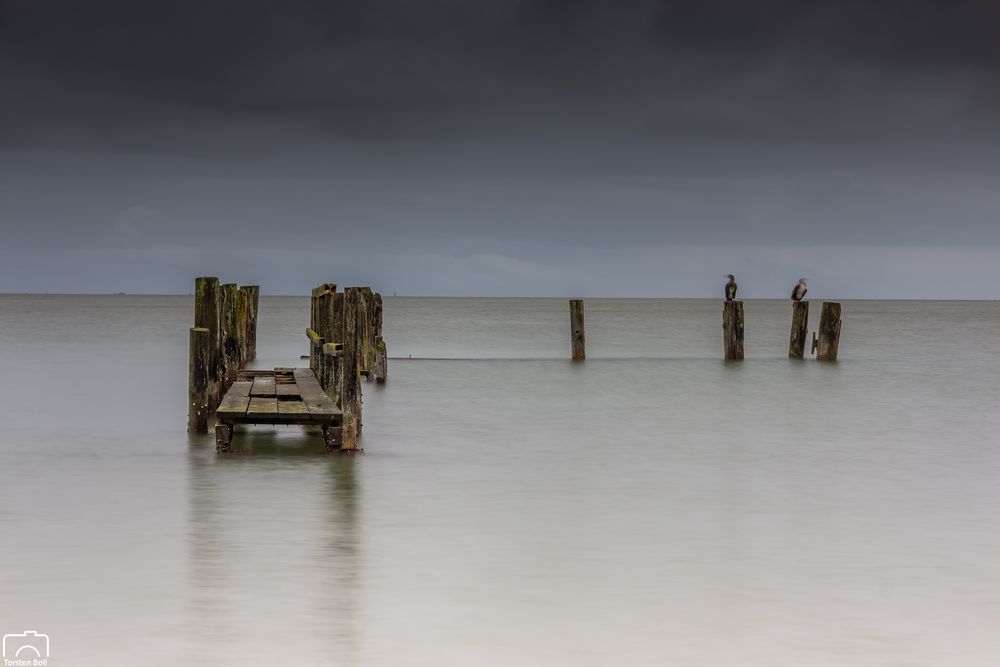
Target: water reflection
{"x": 273, "y": 551}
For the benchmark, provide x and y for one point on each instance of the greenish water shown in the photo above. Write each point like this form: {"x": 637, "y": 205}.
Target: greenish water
{"x": 651, "y": 506}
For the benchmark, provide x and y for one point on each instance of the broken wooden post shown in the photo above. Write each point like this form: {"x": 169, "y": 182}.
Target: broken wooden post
{"x": 800, "y": 328}
{"x": 578, "y": 336}
{"x": 199, "y": 386}
{"x": 253, "y": 305}
{"x": 381, "y": 370}
{"x": 230, "y": 344}
{"x": 827, "y": 343}
{"x": 207, "y": 315}
{"x": 351, "y": 394}
{"x": 732, "y": 329}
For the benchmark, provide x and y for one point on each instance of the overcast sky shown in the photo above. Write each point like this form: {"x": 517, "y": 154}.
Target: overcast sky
{"x": 502, "y": 147}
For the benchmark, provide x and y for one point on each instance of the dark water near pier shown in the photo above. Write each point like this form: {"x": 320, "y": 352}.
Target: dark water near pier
{"x": 652, "y": 506}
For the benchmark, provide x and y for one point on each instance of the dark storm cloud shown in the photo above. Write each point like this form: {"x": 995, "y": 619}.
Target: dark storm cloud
{"x": 504, "y": 130}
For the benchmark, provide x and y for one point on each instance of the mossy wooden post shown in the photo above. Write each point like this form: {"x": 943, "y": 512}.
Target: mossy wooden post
{"x": 366, "y": 337}
{"x": 208, "y": 315}
{"x": 323, "y": 301}
{"x": 351, "y": 394}
{"x": 381, "y": 361}
{"x": 199, "y": 386}
{"x": 253, "y": 305}
{"x": 827, "y": 342}
{"x": 732, "y": 329}
{"x": 242, "y": 322}
{"x": 333, "y": 385}
{"x": 316, "y": 343}
{"x": 578, "y": 335}
{"x": 230, "y": 344}
{"x": 800, "y": 329}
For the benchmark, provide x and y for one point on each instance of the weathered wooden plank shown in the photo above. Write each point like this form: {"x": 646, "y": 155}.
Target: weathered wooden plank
{"x": 233, "y": 405}
{"x": 263, "y": 386}
{"x": 293, "y": 408}
{"x": 286, "y": 389}
{"x": 265, "y": 408}
{"x": 317, "y": 402}
{"x": 240, "y": 388}
{"x": 250, "y": 374}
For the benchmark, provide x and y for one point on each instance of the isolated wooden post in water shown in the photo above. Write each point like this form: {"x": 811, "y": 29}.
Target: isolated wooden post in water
{"x": 253, "y": 305}
{"x": 207, "y": 315}
{"x": 381, "y": 361}
{"x": 578, "y": 336}
{"x": 800, "y": 329}
{"x": 732, "y": 329}
{"x": 199, "y": 387}
{"x": 827, "y": 342}
{"x": 351, "y": 394}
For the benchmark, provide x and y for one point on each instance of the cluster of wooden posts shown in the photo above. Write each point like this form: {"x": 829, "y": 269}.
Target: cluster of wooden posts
{"x": 345, "y": 345}
{"x": 825, "y": 342}
{"x": 222, "y": 341}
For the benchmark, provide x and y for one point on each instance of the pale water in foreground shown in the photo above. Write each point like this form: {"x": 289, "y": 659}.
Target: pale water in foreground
{"x": 650, "y": 506}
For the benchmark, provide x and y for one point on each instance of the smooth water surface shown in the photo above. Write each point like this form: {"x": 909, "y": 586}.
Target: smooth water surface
{"x": 653, "y": 505}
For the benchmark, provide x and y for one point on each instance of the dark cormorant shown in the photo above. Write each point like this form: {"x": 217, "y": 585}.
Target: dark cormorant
{"x": 799, "y": 290}
{"x": 731, "y": 288}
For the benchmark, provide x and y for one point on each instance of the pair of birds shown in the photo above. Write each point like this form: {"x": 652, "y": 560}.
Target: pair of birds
{"x": 798, "y": 291}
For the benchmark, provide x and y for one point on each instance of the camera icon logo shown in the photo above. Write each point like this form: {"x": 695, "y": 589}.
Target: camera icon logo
{"x": 26, "y": 645}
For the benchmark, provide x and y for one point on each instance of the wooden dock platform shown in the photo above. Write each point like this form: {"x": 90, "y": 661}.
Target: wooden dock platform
{"x": 281, "y": 396}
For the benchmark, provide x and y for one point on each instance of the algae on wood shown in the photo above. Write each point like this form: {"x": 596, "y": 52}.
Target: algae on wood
{"x": 732, "y": 329}
{"x": 799, "y": 332}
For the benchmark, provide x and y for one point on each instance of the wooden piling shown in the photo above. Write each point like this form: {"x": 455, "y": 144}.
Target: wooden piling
{"x": 323, "y": 310}
{"x": 827, "y": 342}
{"x": 732, "y": 329}
{"x": 207, "y": 315}
{"x": 253, "y": 306}
{"x": 199, "y": 385}
{"x": 351, "y": 394}
{"x": 230, "y": 343}
{"x": 800, "y": 329}
{"x": 316, "y": 343}
{"x": 242, "y": 324}
{"x": 381, "y": 361}
{"x": 578, "y": 336}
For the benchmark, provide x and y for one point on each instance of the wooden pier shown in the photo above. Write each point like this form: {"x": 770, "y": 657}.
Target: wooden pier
{"x": 281, "y": 396}
{"x": 346, "y": 344}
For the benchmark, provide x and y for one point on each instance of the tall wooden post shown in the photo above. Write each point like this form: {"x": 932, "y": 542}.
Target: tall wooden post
{"x": 253, "y": 305}
{"x": 207, "y": 315}
{"x": 578, "y": 335}
{"x": 732, "y": 329}
{"x": 230, "y": 344}
{"x": 827, "y": 343}
{"x": 199, "y": 386}
{"x": 351, "y": 394}
{"x": 242, "y": 324}
{"x": 800, "y": 328}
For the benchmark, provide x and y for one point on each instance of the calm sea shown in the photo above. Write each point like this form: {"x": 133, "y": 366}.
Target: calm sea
{"x": 651, "y": 506}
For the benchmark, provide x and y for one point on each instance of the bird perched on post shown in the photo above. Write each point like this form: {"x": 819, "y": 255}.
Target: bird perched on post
{"x": 799, "y": 290}
{"x": 731, "y": 288}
